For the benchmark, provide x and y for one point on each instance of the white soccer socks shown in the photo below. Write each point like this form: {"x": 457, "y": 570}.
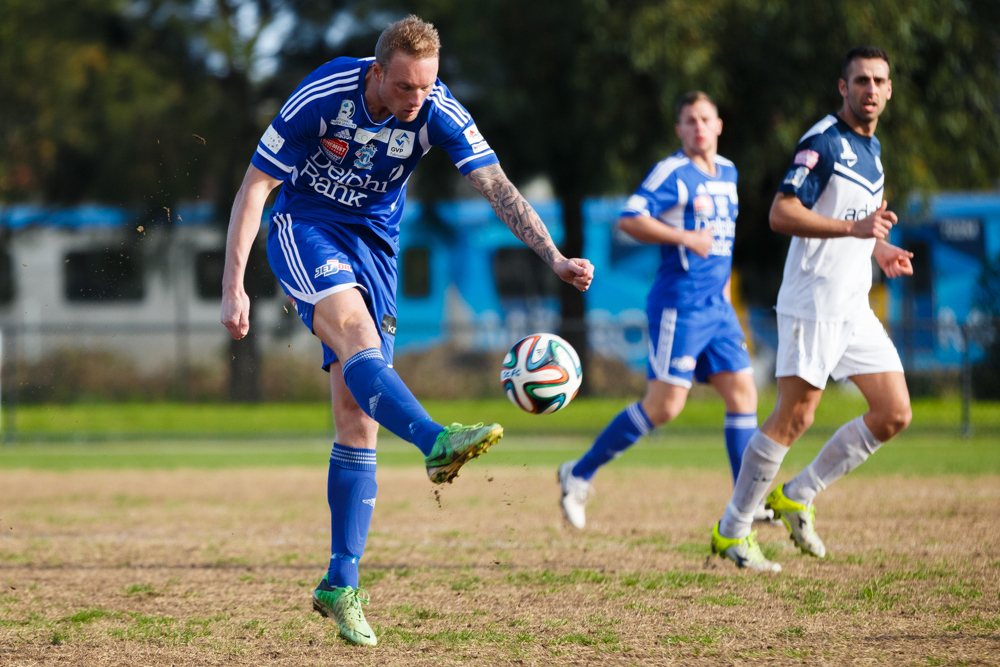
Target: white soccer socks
{"x": 849, "y": 447}
{"x": 761, "y": 462}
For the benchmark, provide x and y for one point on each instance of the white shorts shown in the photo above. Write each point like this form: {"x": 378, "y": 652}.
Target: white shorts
{"x": 815, "y": 350}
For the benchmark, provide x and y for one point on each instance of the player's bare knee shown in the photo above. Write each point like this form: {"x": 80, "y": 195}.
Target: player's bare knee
{"x": 893, "y": 421}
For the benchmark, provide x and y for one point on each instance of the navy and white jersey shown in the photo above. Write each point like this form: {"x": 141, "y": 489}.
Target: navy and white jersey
{"x": 341, "y": 167}
{"x": 681, "y": 195}
{"x": 837, "y": 173}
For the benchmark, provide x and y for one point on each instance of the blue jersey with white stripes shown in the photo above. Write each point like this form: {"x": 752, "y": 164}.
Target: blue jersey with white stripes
{"x": 341, "y": 167}
{"x": 678, "y": 193}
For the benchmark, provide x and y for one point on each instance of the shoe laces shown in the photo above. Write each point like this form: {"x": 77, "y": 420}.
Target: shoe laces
{"x": 353, "y": 599}
{"x": 455, "y": 427}
{"x": 753, "y": 552}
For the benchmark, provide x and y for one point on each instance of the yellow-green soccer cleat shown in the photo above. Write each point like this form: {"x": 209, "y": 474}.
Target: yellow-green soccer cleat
{"x": 456, "y": 446}
{"x": 744, "y": 552}
{"x": 344, "y": 606}
{"x": 800, "y": 521}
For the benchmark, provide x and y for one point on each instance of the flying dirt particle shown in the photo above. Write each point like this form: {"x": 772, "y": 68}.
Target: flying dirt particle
{"x": 437, "y": 497}
{"x": 138, "y": 229}
{"x": 24, "y": 265}
{"x": 286, "y": 312}
{"x": 168, "y": 213}
{"x": 489, "y": 479}
{"x": 201, "y": 139}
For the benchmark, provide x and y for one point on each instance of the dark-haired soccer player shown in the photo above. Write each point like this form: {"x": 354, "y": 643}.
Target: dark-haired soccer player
{"x": 831, "y": 204}
{"x": 342, "y": 148}
{"x": 687, "y": 205}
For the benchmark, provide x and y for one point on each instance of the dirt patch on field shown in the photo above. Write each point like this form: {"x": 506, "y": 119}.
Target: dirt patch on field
{"x": 197, "y": 567}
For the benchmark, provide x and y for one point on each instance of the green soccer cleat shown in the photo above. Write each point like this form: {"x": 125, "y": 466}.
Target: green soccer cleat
{"x": 344, "y": 606}
{"x": 744, "y": 552}
{"x": 456, "y": 446}
{"x": 799, "y": 520}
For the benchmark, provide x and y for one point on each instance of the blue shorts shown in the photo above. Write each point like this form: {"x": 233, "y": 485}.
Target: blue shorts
{"x": 313, "y": 260}
{"x": 698, "y": 342}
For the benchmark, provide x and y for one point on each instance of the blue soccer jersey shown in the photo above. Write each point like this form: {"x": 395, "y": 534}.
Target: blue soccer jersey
{"x": 341, "y": 167}
{"x": 837, "y": 173}
{"x": 681, "y": 195}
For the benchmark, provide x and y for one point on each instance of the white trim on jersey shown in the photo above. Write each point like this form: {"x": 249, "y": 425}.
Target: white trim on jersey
{"x": 279, "y": 165}
{"x": 450, "y": 107}
{"x": 425, "y": 142}
{"x": 291, "y": 253}
{"x": 322, "y": 126}
{"x": 852, "y": 175}
{"x": 332, "y": 80}
{"x": 820, "y": 127}
{"x": 637, "y": 204}
{"x": 474, "y": 157}
{"x": 317, "y": 96}
{"x": 724, "y": 161}
{"x": 662, "y": 170}
{"x": 660, "y": 355}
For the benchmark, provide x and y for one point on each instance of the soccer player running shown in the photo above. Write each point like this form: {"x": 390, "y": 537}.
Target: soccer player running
{"x": 831, "y": 204}
{"x": 687, "y": 205}
{"x": 342, "y": 148}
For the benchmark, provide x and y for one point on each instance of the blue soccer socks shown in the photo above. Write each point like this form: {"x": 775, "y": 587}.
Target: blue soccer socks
{"x": 381, "y": 393}
{"x": 623, "y": 431}
{"x": 351, "y": 492}
{"x": 739, "y": 427}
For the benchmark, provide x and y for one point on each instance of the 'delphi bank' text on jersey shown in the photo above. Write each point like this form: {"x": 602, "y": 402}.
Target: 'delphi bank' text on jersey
{"x": 341, "y": 167}
{"x": 837, "y": 173}
{"x": 681, "y": 195}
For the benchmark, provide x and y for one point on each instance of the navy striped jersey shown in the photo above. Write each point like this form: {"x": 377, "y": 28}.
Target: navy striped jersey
{"x": 678, "y": 193}
{"x": 341, "y": 167}
{"x": 837, "y": 173}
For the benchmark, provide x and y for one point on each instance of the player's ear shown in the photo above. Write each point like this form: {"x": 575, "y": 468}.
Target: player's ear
{"x": 377, "y": 71}
{"x": 842, "y": 87}
{"x": 888, "y": 94}
{"x": 677, "y": 130}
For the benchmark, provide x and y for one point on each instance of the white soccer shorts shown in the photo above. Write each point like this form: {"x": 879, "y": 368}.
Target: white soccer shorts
{"x": 814, "y": 351}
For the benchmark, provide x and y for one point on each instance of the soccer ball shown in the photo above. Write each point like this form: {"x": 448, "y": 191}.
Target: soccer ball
{"x": 541, "y": 374}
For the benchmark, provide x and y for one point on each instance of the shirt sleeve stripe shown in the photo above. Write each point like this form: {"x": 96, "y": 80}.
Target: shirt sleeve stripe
{"x": 452, "y": 104}
{"x": 285, "y": 169}
{"x": 327, "y": 93}
{"x": 474, "y": 157}
{"x": 332, "y": 80}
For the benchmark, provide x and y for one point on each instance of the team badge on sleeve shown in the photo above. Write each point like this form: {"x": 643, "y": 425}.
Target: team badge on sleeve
{"x": 798, "y": 177}
{"x": 807, "y": 158}
{"x": 272, "y": 140}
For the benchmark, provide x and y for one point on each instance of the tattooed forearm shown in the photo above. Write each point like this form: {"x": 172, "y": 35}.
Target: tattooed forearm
{"x": 514, "y": 210}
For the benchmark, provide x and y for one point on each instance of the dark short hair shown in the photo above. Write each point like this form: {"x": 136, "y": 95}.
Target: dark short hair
{"x": 866, "y": 52}
{"x": 687, "y": 99}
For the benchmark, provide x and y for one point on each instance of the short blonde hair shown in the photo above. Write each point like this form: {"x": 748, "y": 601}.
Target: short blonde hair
{"x": 411, "y": 36}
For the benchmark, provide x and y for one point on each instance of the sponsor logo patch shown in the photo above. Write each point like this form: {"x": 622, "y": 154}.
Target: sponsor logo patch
{"x": 365, "y": 155}
{"x": 807, "y": 158}
{"x": 364, "y": 136}
{"x": 272, "y": 140}
{"x": 344, "y": 115}
{"x": 331, "y": 267}
{"x": 335, "y": 149}
{"x": 400, "y": 144}
{"x": 683, "y": 364}
{"x": 703, "y": 205}
{"x": 480, "y": 147}
{"x": 389, "y": 324}
{"x": 343, "y": 134}
{"x": 369, "y": 501}
{"x": 797, "y": 177}
{"x": 472, "y": 135}
{"x": 373, "y": 404}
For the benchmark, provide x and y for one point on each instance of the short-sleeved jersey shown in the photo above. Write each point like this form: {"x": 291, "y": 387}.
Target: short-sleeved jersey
{"x": 341, "y": 167}
{"x": 681, "y": 195}
{"x": 837, "y": 173}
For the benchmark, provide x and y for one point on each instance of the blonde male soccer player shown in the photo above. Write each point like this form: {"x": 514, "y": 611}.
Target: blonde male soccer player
{"x": 688, "y": 205}
{"x": 342, "y": 149}
{"x": 831, "y": 204}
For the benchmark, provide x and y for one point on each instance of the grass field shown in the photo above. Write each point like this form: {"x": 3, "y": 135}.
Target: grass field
{"x": 584, "y": 417}
{"x": 205, "y": 552}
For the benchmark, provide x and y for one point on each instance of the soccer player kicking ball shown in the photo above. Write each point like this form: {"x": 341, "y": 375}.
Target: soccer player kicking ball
{"x": 831, "y": 204}
{"x": 342, "y": 148}
{"x": 687, "y": 205}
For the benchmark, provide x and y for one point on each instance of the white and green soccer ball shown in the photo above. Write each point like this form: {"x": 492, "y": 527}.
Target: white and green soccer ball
{"x": 541, "y": 374}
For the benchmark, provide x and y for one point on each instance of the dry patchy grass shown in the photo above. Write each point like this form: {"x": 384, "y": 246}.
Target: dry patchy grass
{"x": 216, "y": 567}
